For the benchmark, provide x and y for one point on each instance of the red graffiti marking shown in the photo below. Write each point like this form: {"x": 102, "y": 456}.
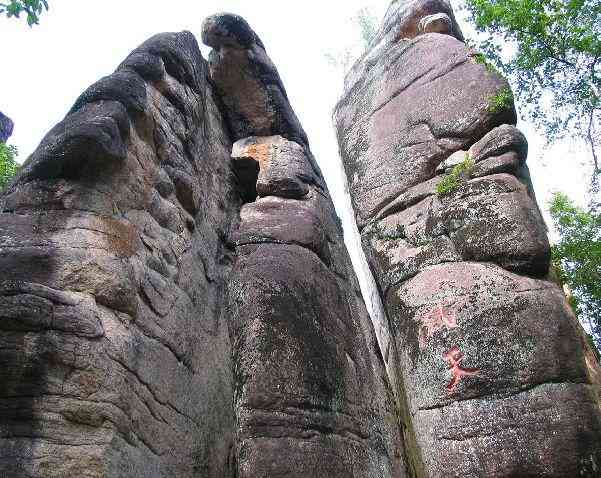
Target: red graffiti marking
{"x": 435, "y": 320}
{"x": 454, "y": 357}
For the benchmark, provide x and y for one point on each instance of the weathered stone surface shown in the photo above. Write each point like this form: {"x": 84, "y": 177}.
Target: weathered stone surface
{"x": 498, "y": 141}
{"x": 410, "y": 111}
{"x": 493, "y": 377}
{"x": 175, "y": 305}
{"x": 6, "y": 127}
{"x": 408, "y": 19}
{"x": 453, "y": 160}
{"x": 274, "y": 166}
{"x": 312, "y": 397}
{"x": 114, "y": 353}
{"x": 470, "y": 337}
{"x": 255, "y": 99}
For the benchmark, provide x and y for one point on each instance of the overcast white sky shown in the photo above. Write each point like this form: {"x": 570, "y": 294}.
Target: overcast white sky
{"x": 44, "y": 69}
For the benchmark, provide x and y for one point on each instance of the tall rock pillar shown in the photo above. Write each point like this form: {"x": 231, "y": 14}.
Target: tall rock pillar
{"x": 311, "y": 394}
{"x": 487, "y": 357}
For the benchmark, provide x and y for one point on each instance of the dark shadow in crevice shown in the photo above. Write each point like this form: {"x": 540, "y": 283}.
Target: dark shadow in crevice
{"x": 247, "y": 172}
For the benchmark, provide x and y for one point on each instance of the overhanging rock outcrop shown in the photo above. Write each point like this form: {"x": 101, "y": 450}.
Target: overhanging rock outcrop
{"x": 176, "y": 299}
{"x": 487, "y": 358}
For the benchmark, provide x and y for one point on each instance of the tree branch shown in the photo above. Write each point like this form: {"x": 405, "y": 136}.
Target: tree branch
{"x": 591, "y": 141}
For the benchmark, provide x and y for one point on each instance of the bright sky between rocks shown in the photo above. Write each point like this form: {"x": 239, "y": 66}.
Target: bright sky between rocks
{"x": 78, "y": 41}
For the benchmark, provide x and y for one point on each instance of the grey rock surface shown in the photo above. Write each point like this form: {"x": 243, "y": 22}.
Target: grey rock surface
{"x": 115, "y": 352}
{"x": 492, "y": 374}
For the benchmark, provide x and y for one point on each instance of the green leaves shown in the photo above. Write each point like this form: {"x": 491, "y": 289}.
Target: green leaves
{"x": 577, "y": 259}
{"x": 8, "y": 165}
{"x": 551, "y": 52}
{"x": 458, "y": 174}
{"x": 32, "y": 8}
{"x": 501, "y": 101}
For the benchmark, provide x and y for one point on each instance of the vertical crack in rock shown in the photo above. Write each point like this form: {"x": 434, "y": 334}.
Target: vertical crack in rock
{"x": 311, "y": 393}
{"x": 493, "y": 377}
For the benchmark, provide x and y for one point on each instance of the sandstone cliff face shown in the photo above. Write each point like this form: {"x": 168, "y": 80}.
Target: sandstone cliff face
{"x": 114, "y": 346}
{"x": 173, "y": 304}
{"x": 176, "y": 299}
{"x": 311, "y": 396}
{"x": 487, "y": 360}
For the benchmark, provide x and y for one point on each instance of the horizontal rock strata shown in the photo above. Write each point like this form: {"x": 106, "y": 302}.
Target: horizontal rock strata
{"x": 311, "y": 396}
{"x": 176, "y": 299}
{"x": 488, "y": 357}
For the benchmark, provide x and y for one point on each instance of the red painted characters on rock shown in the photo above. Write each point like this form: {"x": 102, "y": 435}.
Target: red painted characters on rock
{"x": 454, "y": 358}
{"x": 435, "y": 320}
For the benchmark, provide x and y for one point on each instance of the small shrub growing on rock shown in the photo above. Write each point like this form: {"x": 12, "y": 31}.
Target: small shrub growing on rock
{"x": 500, "y": 101}
{"x": 458, "y": 174}
{"x": 480, "y": 58}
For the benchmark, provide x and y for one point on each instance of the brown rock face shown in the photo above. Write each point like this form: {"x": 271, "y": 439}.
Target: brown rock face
{"x": 170, "y": 307}
{"x": 489, "y": 362}
{"x": 311, "y": 393}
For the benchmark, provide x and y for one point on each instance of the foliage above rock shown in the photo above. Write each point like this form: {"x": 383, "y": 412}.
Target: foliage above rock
{"x": 31, "y": 8}
{"x": 553, "y": 60}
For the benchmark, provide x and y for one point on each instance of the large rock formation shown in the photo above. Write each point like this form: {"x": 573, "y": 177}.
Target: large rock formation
{"x": 173, "y": 307}
{"x": 176, "y": 299}
{"x": 487, "y": 360}
{"x": 311, "y": 396}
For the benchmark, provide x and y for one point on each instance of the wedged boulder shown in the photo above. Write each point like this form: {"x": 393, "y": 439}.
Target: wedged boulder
{"x": 498, "y": 141}
{"x": 273, "y": 166}
{"x": 493, "y": 378}
{"x": 256, "y": 103}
